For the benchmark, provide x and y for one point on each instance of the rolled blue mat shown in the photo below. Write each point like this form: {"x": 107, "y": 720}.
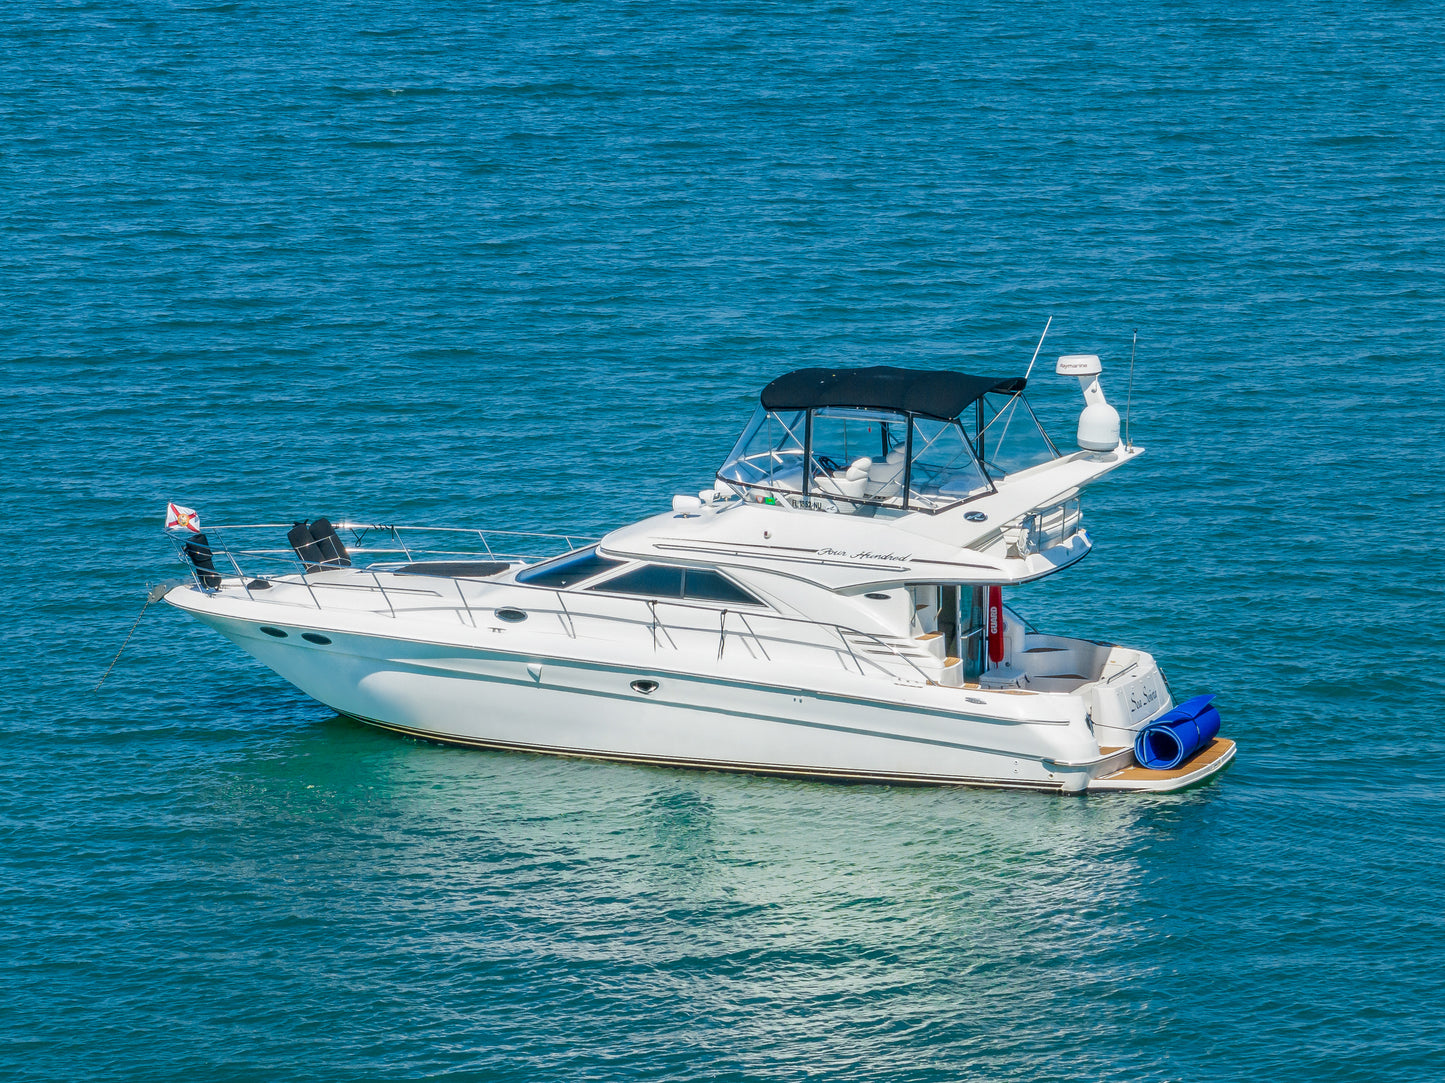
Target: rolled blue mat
{"x": 1177, "y": 734}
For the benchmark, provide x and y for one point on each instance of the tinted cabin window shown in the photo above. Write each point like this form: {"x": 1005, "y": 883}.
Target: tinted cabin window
{"x": 653, "y": 580}
{"x": 712, "y": 587}
{"x": 656, "y": 581}
{"x": 565, "y": 571}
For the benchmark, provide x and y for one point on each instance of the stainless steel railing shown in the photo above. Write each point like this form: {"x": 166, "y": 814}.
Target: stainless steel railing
{"x": 1050, "y": 526}
{"x": 247, "y": 567}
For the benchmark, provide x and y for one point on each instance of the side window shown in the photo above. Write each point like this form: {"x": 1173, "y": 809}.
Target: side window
{"x": 709, "y": 586}
{"x": 696, "y": 584}
{"x": 653, "y": 580}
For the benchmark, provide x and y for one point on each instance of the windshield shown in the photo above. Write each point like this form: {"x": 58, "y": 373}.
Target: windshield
{"x": 843, "y": 436}
{"x": 860, "y": 460}
{"x": 943, "y": 470}
{"x": 1013, "y": 439}
{"x": 569, "y": 569}
{"x": 769, "y": 454}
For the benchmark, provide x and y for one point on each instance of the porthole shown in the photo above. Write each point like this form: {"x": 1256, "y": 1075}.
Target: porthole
{"x": 315, "y": 637}
{"x": 510, "y": 615}
{"x": 877, "y": 597}
{"x": 646, "y": 687}
{"x": 277, "y": 632}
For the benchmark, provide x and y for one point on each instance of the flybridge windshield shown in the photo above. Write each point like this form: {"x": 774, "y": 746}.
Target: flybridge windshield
{"x": 1013, "y": 439}
{"x": 844, "y": 459}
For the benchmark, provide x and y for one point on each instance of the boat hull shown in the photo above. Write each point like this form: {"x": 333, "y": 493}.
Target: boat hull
{"x": 711, "y": 714}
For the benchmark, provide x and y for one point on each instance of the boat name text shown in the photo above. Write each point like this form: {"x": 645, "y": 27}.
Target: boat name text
{"x": 892, "y": 558}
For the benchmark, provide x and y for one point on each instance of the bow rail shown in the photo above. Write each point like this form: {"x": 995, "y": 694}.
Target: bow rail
{"x": 266, "y": 572}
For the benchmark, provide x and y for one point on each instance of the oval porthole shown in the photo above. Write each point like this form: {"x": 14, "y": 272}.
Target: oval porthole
{"x": 510, "y": 615}
{"x": 877, "y": 597}
{"x": 975, "y": 516}
{"x": 315, "y": 637}
{"x": 646, "y": 687}
{"x": 273, "y": 631}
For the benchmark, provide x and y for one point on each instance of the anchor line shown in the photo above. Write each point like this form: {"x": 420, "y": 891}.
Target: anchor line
{"x": 149, "y": 598}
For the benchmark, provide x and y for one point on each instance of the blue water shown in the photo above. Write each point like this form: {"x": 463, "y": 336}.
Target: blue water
{"x": 526, "y": 266}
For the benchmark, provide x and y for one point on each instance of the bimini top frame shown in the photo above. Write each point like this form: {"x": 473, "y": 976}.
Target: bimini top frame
{"x": 869, "y": 439}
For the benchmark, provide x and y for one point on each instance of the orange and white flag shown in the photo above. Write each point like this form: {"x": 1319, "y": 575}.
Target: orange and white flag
{"x": 179, "y": 518}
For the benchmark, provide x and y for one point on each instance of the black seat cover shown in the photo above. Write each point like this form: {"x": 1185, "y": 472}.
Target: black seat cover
{"x": 318, "y": 545}
{"x": 471, "y": 569}
{"x": 305, "y": 545}
{"x": 329, "y": 543}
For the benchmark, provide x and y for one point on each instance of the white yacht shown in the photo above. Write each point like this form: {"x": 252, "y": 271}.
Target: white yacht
{"x": 831, "y": 606}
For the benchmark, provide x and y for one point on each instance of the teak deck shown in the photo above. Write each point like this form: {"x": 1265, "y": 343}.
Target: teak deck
{"x": 1210, "y": 759}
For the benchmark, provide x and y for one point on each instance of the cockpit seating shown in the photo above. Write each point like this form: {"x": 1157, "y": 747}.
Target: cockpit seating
{"x": 847, "y": 483}
{"x": 885, "y": 479}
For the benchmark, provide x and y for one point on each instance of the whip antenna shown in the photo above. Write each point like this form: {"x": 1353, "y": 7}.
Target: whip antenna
{"x": 1129, "y": 401}
{"x": 1037, "y": 348}
{"x": 1014, "y": 402}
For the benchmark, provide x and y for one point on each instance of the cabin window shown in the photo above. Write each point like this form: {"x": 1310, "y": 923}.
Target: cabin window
{"x": 653, "y": 580}
{"x": 710, "y": 586}
{"x": 693, "y": 584}
{"x": 566, "y": 570}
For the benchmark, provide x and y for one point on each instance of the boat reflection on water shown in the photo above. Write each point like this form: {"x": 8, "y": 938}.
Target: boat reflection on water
{"x": 752, "y": 917}
{"x": 538, "y": 828}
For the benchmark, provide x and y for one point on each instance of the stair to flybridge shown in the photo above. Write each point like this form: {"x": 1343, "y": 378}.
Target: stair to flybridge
{"x": 886, "y": 645}
{"x": 927, "y": 653}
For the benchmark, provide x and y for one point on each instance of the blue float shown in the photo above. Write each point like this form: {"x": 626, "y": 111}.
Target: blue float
{"x": 1177, "y": 734}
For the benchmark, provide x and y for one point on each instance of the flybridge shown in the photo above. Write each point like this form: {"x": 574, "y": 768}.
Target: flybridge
{"x": 884, "y": 440}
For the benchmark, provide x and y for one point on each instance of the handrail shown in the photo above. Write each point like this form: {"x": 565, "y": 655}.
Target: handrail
{"x": 299, "y": 574}
{"x": 1052, "y": 524}
{"x": 1131, "y": 666}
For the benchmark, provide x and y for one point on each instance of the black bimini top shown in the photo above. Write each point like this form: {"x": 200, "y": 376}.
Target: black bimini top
{"x": 944, "y": 395}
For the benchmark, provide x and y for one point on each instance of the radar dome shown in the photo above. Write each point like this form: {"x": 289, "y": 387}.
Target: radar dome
{"x": 1099, "y": 423}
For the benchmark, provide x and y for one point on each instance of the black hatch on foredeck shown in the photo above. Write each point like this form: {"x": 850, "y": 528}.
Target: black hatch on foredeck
{"x": 943, "y": 395}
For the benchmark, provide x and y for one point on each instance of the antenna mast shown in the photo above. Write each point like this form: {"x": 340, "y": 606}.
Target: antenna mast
{"x": 1010, "y": 419}
{"x": 1037, "y": 348}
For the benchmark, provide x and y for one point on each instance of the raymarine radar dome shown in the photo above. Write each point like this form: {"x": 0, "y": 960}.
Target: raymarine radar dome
{"x": 1099, "y": 423}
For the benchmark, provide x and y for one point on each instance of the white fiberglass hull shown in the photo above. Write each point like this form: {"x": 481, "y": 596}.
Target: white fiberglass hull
{"x": 460, "y": 688}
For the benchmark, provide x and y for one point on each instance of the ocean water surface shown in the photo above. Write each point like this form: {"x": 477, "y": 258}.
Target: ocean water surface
{"x": 527, "y": 266}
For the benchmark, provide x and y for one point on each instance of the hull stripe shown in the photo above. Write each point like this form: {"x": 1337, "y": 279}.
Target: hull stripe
{"x": 772, "y": 770}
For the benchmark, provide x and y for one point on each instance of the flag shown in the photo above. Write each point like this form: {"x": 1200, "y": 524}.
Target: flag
{"x": 179, "y": 518}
